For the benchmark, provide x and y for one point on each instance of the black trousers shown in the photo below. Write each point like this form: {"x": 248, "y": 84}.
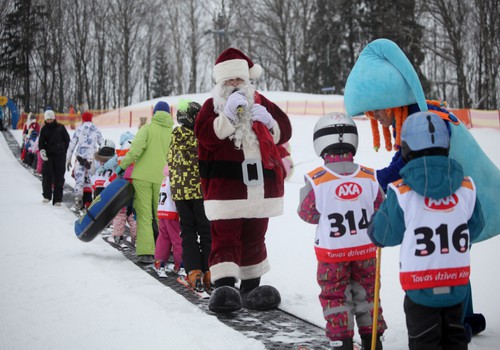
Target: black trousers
{"x": 195, "y": 233}
{"x": 430, "y": 328}
{"x": 53, "y": 174}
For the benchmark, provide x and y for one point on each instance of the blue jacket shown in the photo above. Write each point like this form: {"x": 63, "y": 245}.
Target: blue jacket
{"x": 436, "y": 177}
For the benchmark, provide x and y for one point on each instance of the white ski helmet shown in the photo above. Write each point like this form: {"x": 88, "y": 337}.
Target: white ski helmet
{"x": 109, "y": 143}
{"x": 335, "y": 133}
{"x": 424, "y": 134}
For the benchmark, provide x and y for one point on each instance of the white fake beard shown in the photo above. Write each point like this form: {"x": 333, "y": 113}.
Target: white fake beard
{"x": 243, "y": 133}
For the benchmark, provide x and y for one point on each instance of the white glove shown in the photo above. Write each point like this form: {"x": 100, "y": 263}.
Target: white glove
{"x": 236, "y": 100}
{"x": 43, "y": 155}
{"x": 260, "y": 114}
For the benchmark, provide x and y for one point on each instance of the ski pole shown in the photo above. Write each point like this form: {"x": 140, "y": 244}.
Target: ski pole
{"x": 376, "y": 301}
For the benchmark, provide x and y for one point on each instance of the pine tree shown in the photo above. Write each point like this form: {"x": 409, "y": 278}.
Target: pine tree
{"x": 162, "y": 79}
{"x": 17, "y": 43}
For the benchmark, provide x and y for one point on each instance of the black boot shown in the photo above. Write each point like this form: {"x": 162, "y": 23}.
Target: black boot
{"x": 343, "y": 344}
{"x": 366, "y": 342}
{"x": 261, "y": 298}
{"x": 477, "y": 323}
{"x": 249, "y": 285}
{"x": 225, "y": 298}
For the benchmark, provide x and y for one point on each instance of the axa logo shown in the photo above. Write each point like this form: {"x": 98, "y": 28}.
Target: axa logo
{"x": 348, "y": 190}
{"x": 445, "y": 203}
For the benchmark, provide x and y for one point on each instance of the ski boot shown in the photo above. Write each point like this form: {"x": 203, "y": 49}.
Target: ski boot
{"x": 225, "y": 298}
{"x": 256, "y": 297}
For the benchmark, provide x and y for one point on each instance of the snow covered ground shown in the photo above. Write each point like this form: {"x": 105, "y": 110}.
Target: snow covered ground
{"x": 57, "y": 292}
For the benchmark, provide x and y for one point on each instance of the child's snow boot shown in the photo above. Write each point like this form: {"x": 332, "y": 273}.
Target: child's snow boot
{"x": 343, "y": 344}
{"x": 194, "y": 279}
{"x": 207, "y": 282}
{"x": 77, "y": 207}
{"x": 366, "y": 342}
{"x": 477, "y": 323}
{"x": 225, "y": 298}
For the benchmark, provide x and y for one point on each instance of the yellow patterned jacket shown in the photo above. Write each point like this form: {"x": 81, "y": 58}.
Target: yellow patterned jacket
{"x": 182, "y": 161}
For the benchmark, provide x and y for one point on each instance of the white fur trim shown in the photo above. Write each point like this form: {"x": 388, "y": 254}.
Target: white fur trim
{"x": 224, "y": 269}
{"x": 256, "y": 71}
{"x": 230, "y": 269}
{"x": 254, "y": 271}
{"x": 231, "y": 69}
{"x": 223, "y": 127}
{"x": 243, "y": 208}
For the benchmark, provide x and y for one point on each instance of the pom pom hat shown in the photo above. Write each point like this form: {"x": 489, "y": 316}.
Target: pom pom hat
{"x": 233, "y": 63}
{"x": 49, "y": 115}
{"x": 86, "y": 117}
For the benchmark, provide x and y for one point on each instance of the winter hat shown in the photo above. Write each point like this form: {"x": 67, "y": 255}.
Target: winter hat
{"x": 381, "y": 78}
{"x": 186, "y": 112}
{"x": 108, "y": 149}
{"x": 86, "y": 117}
{"x": 424, "y": 133}
{"x": 32, "y": 116}
{"x": 233, "y": 63}
{"x": 49, "y": 115}
{"x": 126, "y": 136}
{"x": 161, "y": 106}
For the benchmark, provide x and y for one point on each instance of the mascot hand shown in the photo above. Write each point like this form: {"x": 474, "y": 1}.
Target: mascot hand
{"x": 43, "y": 155}
{"x": 234, "y": 102}
{"x": 260, "y": 114}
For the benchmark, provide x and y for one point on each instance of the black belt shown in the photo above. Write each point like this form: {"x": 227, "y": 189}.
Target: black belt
{"x": 247, "y": 171}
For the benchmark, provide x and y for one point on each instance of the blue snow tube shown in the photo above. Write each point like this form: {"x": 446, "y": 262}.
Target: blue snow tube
{"x": 103, "y": 209}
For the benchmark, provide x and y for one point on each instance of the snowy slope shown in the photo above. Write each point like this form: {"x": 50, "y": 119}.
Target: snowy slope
{"x": 59, "y": 293}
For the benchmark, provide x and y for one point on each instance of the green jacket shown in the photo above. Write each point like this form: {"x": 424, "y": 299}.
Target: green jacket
{"x": 149, "y": 149}
{"x": 183, "y": 165}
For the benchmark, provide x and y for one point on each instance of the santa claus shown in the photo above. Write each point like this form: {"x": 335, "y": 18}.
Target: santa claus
{"x": 242, "y": 177}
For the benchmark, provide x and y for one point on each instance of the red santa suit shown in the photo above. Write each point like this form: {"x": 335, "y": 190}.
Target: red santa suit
{"x": 242, "y": 188}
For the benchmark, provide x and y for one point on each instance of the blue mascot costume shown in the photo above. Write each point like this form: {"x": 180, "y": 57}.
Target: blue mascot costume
{"x": 384, "y": 79}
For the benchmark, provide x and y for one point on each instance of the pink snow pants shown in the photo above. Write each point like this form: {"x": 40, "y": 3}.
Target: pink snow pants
{"x": 348, "y": 290}
{"x": 169, "y": 239}
{"x": 119, "y": 224}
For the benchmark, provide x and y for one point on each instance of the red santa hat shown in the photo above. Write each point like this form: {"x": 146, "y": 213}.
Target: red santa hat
{"x": 86, "y": 117}
{"x": 233, "y": 63}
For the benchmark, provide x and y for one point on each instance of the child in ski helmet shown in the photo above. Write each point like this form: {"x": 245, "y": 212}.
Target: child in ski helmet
{"x": 100, "y": 177}
{"x": 434, "y": 214}
{"x": 182, "y": 160}
{"x": 340, "y": 197}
